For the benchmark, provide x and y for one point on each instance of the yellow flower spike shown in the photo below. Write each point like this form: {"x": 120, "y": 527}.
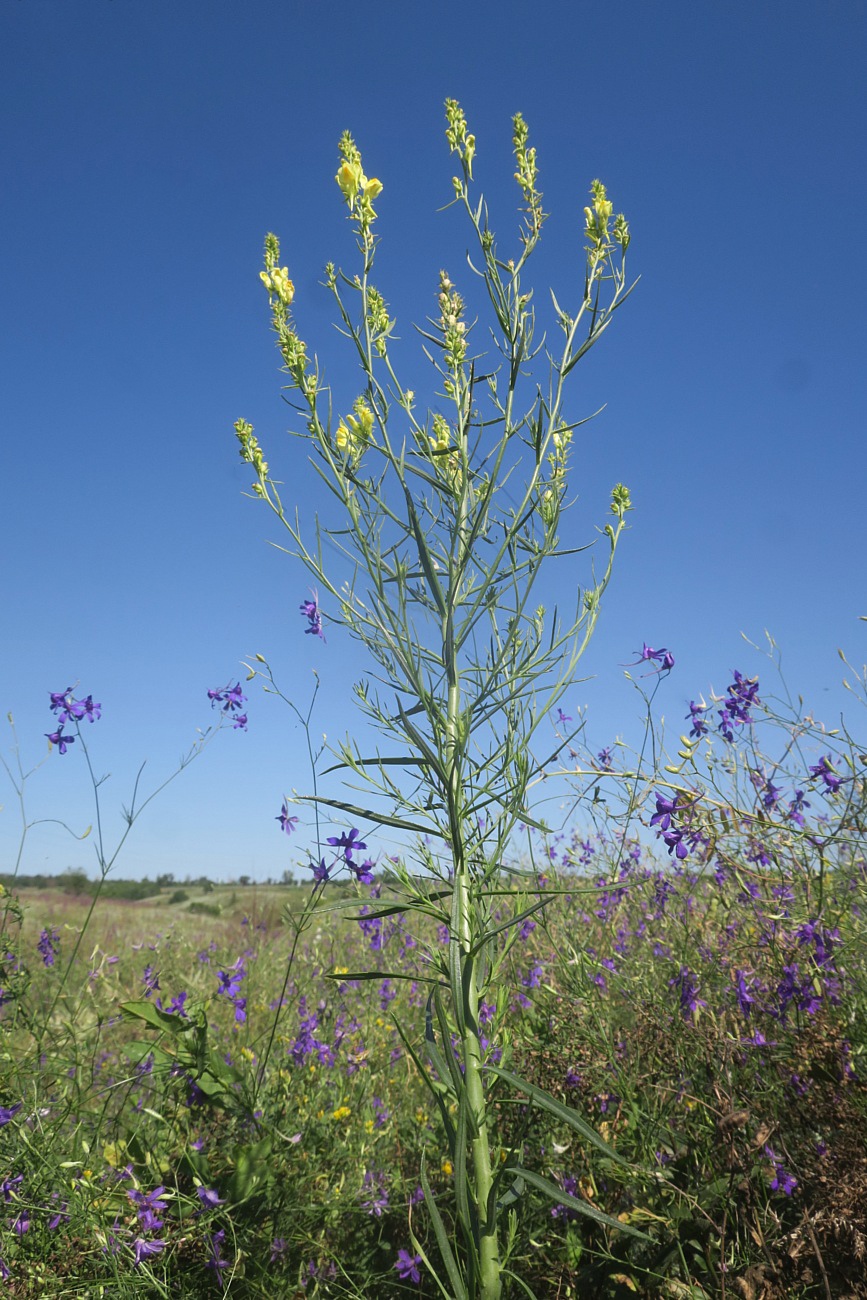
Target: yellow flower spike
{"x": 282, "y": 285}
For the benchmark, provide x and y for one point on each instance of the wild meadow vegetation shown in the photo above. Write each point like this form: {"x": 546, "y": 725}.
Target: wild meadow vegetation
{"x": 480, "y": 1050}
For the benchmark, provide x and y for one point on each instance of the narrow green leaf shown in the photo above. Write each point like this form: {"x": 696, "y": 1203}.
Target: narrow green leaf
{"x": 489, "y": 934}
{"x": 561, "y": 1112}
{"x": 157, "y": 1019}
{"x": 382, "y": 819}
{"x": 555, "y": 1193}
{"x": 381, "y": 974}
{"x": 448, "y": 1258}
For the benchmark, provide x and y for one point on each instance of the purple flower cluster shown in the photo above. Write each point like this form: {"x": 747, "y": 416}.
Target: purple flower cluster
{"x": 663, "y": 657}
{"x": 666, "y": 811}
{"x": 231, "y": 700}
{"x": 311, "y": 611}
{"x": 825, "y": 772}
{"x": 741, "y": 695}
{"x": 48, "y": 946}
{"x": 686, "y": 984}
{"x": 782, "y": 1181}
{"x": 230, "y": 987}
{"x": 149, "y": 1206}
{"x": 68, "y": 709}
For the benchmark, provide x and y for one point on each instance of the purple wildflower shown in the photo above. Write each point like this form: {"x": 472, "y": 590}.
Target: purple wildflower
{"x": 320, "y": 872}
{"x": 48, "y": 945}
{"x": 311, "y": 611}
{"x": 57, "y": 738}
{"x": 663, "y": 657}
{"x": 782, "y": 1181}
{"x": 231, "y": 700}
{"x": 795, "y": 813}
{"x": 143, "y": 1249}
{"x": 825, "y": 772}
{"x": 287, "y": 823}
{"x": 209, "y": 1197}
{"x": 407, "y": 1266}
{"x": 696, "y": 717}
{"x": 216, "y": 1261}
{"x": 348, "y": 843}
{"x": 687, "y": 985}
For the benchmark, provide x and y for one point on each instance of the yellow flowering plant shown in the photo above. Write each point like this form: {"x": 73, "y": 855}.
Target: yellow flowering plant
{"x": 448, "y": 517}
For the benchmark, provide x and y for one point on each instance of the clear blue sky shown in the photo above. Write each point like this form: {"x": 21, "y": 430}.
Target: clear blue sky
{"x": 148, "y": 147}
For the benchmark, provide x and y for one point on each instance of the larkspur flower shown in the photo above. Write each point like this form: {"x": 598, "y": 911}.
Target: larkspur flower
{"x": 57, "y": 738}
{"x": 603, "y": 758}
{"x": 320, "y": 872}
{"x": 311, "y": 611}
{"x": 824, "y": 771}
{"x": 216, "y": 1261}
{"x": 686, "y": 984}
{"x": 287, "y": 823}
{"x": 348, "y": 843}
{"x": 407, "y": 1266}
{"x": 48, "y": 945}
{"x": 796, "y": 807}
{"x": 69, "y": 709}
{"x": 782, "y": 1181}
{"x": 663, "y": 657}
{"x": 143, "y": 1249}
{"x": 209, "y": 1197}
{"x": 363, "y": 871}
{"x": 231, "y": 700}
{"x": 696, "y": 717}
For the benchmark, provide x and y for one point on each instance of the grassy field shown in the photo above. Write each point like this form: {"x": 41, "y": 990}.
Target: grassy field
{"x": 208, "y": 1104}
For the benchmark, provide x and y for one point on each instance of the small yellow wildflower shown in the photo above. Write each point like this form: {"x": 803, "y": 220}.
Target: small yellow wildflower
{"x": 342, "y": 1112}
{"x": 343, "y": 438}
{"x": 349, "y": 178}
{"x": 447, "y": 1167}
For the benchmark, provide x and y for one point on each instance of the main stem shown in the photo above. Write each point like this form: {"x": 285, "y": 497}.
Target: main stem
{"x": 464, "y": 989}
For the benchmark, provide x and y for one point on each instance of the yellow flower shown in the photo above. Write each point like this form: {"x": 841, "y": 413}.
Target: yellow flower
{"x": 342, "y": 1112}
{"x": 342, "y": 438}
{"x": 372, "y": 188}
{"x": 350, "y": 178}
{"x": 447, "y": 1167}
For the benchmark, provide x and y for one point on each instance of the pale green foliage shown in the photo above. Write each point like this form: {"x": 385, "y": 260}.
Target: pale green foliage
{"x": 446, "y": 520}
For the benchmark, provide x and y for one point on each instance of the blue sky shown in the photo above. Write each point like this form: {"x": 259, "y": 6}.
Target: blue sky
{"x": 149, "y": 147}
